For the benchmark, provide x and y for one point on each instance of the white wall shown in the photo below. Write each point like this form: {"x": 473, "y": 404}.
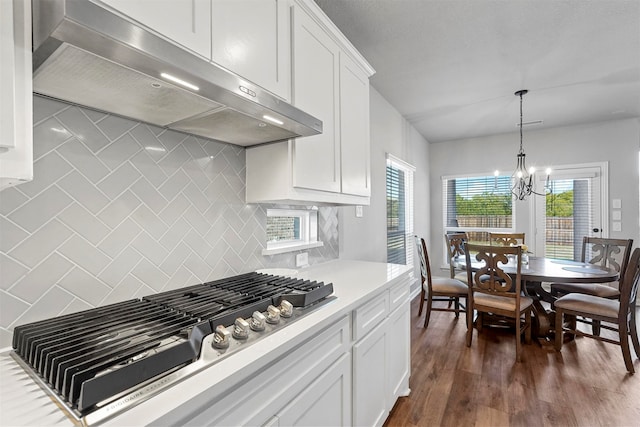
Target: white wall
{"x": 366, "y": 238}
{"x": 617, "y": 142}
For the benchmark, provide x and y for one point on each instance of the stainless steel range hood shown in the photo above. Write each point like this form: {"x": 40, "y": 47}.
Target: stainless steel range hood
{"x": 85, "y": 54}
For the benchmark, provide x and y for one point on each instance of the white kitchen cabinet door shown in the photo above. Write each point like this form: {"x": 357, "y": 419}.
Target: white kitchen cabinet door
{"x": 399, "y": 356}
{"x": 370, "y": 359}
{"x": 354, "y": 128}
{"x": 316, "y": 159}
{"x": 325, "y": 402}
{"x": 252, "y": 39}
{"x": 16, "y": 97}
{"x": 186, "y": 22}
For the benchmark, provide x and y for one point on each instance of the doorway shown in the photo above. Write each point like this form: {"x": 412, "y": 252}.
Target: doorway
{"x": 576, "y": 205}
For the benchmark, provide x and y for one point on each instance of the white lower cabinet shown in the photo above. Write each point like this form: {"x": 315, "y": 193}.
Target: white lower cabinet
{"x": 370, "y": 359}
{"x": 381, "y": 359}
{"x": 263, "y": 395}
{"x": 326, "y": 402}
{"x": 399, "y": 343}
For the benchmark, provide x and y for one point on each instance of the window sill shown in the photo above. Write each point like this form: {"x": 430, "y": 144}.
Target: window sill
{"x": 292, "y": 248}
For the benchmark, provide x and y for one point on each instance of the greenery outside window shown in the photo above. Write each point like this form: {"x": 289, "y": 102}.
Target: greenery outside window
{"x": 291, "y": 230}
{"x": 478, "y": 205}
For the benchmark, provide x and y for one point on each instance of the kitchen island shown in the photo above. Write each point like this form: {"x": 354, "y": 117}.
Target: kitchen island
{"x": 343, "y": 364}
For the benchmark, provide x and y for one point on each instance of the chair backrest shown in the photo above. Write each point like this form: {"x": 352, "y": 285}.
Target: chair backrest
{"x": 423, "y": 256}
{"x": 629, "y": 286}
{"x": 611, "y": 253}
{"x": 491, "y": 278}
{"x": 506, "y": 239}
{"x": 455, "y": 249}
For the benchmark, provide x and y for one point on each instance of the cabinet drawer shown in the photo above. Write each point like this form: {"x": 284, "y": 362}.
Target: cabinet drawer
{"x": 368, "y": 315}
{"x": 398, "y": 294}
{"x": 255, "y": 401}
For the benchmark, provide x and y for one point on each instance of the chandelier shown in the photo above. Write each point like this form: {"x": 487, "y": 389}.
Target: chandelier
{"x": 522, "y": 179}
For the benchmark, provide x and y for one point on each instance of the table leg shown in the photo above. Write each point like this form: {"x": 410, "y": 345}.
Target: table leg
{"x": 543, "y": 321}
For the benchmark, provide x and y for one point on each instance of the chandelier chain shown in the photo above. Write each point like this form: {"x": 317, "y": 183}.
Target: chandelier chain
{"x": 521, "y": 149}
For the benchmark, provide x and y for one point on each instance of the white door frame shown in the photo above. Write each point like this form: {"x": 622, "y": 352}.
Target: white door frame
{"x": 579, "y": 168}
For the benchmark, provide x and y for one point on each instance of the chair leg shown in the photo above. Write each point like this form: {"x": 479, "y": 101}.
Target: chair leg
{"x": 633, "y": 329}
{"x": 518, "y": 339}
{"x": 626, "y": 351}
{"x": 559, "y": 321}
{"x": 469, "y": 322}
{"x": 428, "y": 314}
{"x": 421, "y": 302}
{"x": 467, "y": 315}
{"x": 595, "y": 327}
{"x": 457, "y": 305}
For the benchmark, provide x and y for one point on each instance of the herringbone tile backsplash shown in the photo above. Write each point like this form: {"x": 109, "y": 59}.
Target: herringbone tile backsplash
{"x": 119, "y": 209}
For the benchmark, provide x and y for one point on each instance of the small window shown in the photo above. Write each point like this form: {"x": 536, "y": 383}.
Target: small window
{"x": 291, "y": 230}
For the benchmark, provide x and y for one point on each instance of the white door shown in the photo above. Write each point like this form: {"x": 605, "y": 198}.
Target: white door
{"x": 575, "y": 206}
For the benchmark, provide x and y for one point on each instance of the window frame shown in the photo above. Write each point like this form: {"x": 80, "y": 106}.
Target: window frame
{"x": 308, "y": 231}
{"x": 409, "y": 171}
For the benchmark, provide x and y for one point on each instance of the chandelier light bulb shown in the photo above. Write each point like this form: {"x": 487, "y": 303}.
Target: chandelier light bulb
{"x": 532, "y": 170}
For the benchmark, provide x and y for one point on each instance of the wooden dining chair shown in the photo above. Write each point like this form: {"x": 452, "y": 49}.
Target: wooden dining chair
{"x": 491, "y": 290}
{"x": 455, "y": 251}
{"x": 435, "y": 289}
{"x": 506, "y": 239}
{"x": 610, "y": 253}
{"x": 622, "y": 313}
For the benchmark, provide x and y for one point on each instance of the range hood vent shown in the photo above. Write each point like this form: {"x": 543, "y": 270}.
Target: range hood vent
{"x": 87, "y": 55}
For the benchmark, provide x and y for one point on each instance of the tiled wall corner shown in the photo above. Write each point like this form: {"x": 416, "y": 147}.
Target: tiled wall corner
{"x": 119, "y": 209}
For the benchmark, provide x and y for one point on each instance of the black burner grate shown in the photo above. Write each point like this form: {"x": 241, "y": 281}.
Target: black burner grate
{"x": 90, "y": 356}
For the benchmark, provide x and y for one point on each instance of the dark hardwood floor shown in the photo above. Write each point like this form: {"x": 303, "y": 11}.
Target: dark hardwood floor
{"x": 451, "y": 385}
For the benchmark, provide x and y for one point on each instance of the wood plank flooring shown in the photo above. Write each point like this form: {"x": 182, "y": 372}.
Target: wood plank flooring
{"x": 451, "y": 385}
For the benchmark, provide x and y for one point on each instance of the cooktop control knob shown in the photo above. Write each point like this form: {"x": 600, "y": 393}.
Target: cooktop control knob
{"x": 221, "y": 337}
{"x": 273, "y": 315}
{"x": 286, "y": 308}
{"x": 241, "y": 329}
{"x": 258, "y": 321}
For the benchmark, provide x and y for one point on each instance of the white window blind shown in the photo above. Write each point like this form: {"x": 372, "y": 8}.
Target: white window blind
{"x": 399, "y": 211}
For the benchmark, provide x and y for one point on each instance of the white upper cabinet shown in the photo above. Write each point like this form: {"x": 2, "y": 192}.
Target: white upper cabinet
{"x": 354, "y": 128}
{"x": 331, "y": 82}
{"x": 16, "y": 123}
{"x": 186, "y": 22}
{"x": 315, "y": 90}
{"x": 252, "y": 39}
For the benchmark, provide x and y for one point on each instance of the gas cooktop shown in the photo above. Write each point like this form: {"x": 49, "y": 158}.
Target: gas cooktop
{"x": 99, "y": 362}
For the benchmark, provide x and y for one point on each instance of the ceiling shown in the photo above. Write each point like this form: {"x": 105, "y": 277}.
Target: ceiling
{"x": 451, "y": 67}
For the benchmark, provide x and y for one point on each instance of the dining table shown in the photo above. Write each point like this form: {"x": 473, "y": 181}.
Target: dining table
{"x": 540, "y": 270}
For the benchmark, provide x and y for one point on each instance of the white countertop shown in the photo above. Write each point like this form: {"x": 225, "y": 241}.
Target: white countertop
{"x": 23, "y": 403}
